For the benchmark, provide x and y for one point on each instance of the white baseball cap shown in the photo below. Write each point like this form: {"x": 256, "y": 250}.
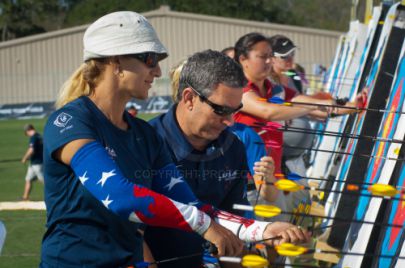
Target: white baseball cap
{"x": 121, "y": 33}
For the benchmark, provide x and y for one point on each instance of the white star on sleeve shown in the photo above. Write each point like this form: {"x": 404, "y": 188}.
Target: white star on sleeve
{"x": 194, "y": 203}
{"x": 107, "y": 201}
{"x": 105, "y": 176}
{"x": 83, "y": 178}
{"x": 173, "y": 182}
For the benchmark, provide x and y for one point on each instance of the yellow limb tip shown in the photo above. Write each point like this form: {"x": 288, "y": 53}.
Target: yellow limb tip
{"x": 396, "y": 150}
{"x": 383, "y": 190}
{"x": 290, "y": 250}
{"x": 287, "y": 185}
{"x": 267, "y": 211}
{"x": 254, "y": 261}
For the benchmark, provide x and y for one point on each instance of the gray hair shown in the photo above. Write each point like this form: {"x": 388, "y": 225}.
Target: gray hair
{"x": 205, "y": 70}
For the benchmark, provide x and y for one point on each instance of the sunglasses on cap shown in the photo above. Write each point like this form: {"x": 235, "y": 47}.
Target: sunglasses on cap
{"x": 218, "y": 109}
{"x": 151, "y": 59}
{"x": 285, "y": 57}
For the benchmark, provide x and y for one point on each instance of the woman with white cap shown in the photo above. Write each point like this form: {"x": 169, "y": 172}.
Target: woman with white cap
{"x": 108, "y": 173}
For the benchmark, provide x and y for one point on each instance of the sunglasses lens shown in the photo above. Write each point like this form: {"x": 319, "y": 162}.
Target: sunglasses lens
{"x": 151, "y": 60}
{"x": 226, "y": 111}
{"x": 221, "y": 111}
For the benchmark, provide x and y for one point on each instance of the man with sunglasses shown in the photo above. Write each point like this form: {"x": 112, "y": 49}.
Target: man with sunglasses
{"x": 211, "y": 158}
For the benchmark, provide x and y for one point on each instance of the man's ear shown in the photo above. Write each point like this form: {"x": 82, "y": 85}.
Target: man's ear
{"x": 187, "y": 98}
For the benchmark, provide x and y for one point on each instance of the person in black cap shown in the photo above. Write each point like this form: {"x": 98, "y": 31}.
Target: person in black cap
{"x": 254, "y": 52}
{"x": 283, "y": 61}
{"x": 34, "y": 154}
{"x": 132, "y": 110}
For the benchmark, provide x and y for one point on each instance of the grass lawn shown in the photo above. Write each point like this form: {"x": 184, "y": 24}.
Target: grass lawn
{"x": 24, "y": 228}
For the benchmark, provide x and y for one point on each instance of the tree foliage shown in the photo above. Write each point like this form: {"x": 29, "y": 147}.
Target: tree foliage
{"x": 20, "y": 18}
{"x": 24, "y": 17}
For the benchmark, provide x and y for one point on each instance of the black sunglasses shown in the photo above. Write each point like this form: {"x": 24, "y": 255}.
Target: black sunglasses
{"x": 218, "y": 109}
{"x": 151, "y": 59}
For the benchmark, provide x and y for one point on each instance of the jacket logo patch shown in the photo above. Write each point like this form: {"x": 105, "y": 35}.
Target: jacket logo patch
{"x": 62, "y": 120}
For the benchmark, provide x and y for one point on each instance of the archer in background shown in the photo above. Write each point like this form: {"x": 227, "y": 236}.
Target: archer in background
{"x": 34, "y": 155}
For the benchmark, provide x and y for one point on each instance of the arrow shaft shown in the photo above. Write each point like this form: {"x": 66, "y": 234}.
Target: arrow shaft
{"x": 343, "y": 181}
{"x": 354, "y": 254}
{"x": 251, "y": 208}
{"x": 355, "y": 109}
{"x": 347, "y": 192}
{"x": 346, "y": 220}
{"x": 324, "y": 132}
{"x": 343, "y": 153}
{"x": 268, "y": 152}
{"x": 333, "y": 134}
{"x": 178, "y": 258}
{"x": 322, "y": 75}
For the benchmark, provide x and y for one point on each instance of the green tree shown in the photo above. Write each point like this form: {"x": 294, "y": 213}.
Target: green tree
{"x": 20, "y": 18}
{"x": 86, "y": 11}
{"x": 24, "y": 17}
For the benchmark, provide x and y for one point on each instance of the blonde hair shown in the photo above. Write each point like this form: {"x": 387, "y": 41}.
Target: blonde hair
{"x": 174, "y": 75}
{"x": 82, "y": 82}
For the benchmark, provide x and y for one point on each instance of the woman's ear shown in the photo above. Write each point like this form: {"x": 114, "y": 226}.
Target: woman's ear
{"x": 115, "y": 63}
{"x": 242, "y": 58}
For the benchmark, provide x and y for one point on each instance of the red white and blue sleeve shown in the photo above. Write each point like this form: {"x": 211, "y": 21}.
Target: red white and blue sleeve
{"x": 133, "y": 202}
{"x": 104, "y": 180}
{"x": 169, "y": 181}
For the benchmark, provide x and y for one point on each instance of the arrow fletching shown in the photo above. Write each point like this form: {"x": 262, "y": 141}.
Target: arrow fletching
{"x": 276, "y": 100}
{"x": 383, "y": 190}
{"x": 287, "y": 185}
{"x": 294, "y": 176}
{"x": 249, "y": 260}
{"x": 267, "y": 211}
{"x": 280, "y": 175}
{"x": 290, "y": 250}
{"x": 289, "y": 73}
{"x": 254, "y": 261}
{"x": 352, "y": 187}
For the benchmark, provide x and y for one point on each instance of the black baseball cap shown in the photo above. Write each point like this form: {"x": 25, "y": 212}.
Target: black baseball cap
{"x": 281, "y": 45}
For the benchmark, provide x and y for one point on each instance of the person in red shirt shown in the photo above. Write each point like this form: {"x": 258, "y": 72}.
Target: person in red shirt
{"x": 253, "y": 52}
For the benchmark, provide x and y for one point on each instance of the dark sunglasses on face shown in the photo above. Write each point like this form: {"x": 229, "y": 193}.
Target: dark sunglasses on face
{"x": 151, "y": 59}
{"x": 218, "y": 109}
